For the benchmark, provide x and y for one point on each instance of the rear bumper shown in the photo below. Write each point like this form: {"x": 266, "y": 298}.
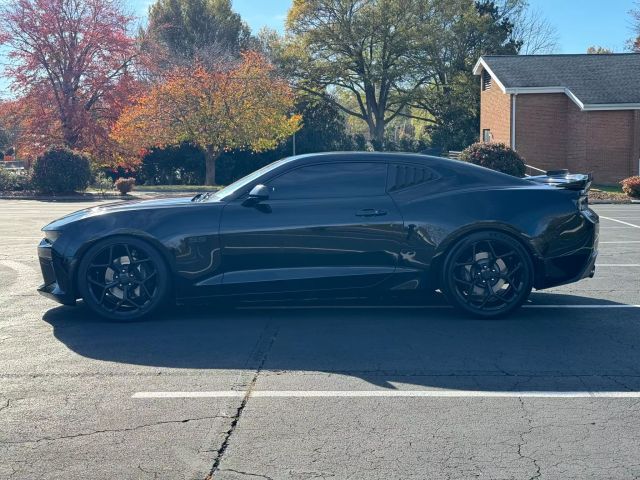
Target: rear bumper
{"x": 57, "y": 282}
{"x": 575, "y": 265}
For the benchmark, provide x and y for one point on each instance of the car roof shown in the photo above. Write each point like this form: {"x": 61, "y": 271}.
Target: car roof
{"x": 456, "y": 167}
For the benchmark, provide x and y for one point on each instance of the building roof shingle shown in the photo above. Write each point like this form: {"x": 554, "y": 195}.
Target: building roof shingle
{"x": 607, "y": 79}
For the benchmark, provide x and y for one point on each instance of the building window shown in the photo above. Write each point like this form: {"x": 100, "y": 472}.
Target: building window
{"x": 486, "y": 135}
{"x": 486, "y": 80}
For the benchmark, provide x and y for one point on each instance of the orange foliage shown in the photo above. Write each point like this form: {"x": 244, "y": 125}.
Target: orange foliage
{"x": 246, "y": 106}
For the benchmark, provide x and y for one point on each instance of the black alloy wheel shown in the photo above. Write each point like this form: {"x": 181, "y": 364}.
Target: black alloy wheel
{"x": 488, "y": 274}
{"x": 123, "y": 279}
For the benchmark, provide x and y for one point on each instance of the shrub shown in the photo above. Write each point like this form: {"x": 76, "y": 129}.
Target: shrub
{"x": 61, "y": 170}
{"x": 496, "y": 156}
{"x": 631, "y": 186}
{"x": 102, "y": 183}
{"x": 125, "y": 185}
{"x": 14, "y": 181}
{"x": 173, "y": 165}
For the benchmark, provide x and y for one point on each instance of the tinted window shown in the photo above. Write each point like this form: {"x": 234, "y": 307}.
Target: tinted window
{"x": 357, "y": 179}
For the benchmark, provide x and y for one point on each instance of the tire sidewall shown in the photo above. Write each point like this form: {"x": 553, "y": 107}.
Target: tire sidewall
{"x": 449, "y": 285}
{"x": 162, "y": 281}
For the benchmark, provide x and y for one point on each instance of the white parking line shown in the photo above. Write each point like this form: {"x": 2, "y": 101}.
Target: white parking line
{"x": 622, "y": 242}
{"x": 430, "y": 307}
{"x": 618, "y": 265}
{"x": 620, "y": 221}
{"x": 385, "y": 393}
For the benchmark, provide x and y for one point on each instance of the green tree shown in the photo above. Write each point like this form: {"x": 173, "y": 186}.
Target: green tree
{"x": 393, "y": 58}
{"x": 202, "y": 29}
{"x": 451, "y": 100}
{"x": 374, "y": 50}
{"x": 598, "y": 50}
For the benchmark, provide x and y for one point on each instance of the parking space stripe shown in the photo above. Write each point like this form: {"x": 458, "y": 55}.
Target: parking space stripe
{"x": 620, "y": 221}
{"x": 622, "y": 242}
{"x": 386, "y": 394}
{"x": 618, "y": 265}
{"x": 431, "y": 307}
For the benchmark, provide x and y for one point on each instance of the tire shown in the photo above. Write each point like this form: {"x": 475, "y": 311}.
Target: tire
{"x": 488, "y": 274}
{"x": 123, "y": 279}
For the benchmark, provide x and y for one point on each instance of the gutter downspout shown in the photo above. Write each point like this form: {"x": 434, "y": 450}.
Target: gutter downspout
{"x": 513, "y": 120}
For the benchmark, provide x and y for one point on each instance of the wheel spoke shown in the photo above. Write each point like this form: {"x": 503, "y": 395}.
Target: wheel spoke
{"x": 493, "y": 252}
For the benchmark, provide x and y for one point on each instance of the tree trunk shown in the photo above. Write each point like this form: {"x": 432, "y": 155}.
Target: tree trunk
{"x": 211, "y": 156}
{"x": 376, "y": 132}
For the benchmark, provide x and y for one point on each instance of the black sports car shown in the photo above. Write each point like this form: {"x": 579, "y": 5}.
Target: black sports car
{"x": 335, "y": 224}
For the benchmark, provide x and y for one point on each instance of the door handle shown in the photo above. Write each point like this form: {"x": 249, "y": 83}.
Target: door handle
{"x": 371, "y": 212}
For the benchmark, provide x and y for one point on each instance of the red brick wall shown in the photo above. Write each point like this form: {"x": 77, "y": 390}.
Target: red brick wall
{"x": 609, "y": 145}
{"x": 495, "y": 114}
{"x": 541, "y": 129}
{"x": 552, "y": 132}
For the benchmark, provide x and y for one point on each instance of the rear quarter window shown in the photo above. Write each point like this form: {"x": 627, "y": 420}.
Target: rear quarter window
{"x": 403, "y": 176}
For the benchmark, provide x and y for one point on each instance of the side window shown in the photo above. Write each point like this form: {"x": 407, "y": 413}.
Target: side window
{"x": 331, "y": 180}
{"x": 403, "y": 176}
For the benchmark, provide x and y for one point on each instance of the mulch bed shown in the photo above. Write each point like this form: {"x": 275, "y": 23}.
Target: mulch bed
{"x": 599, "y": 196}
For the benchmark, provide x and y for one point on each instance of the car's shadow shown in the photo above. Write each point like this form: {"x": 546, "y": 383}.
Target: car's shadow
{"x": 592, "y": 349}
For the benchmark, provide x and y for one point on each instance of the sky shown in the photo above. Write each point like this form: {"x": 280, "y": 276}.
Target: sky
{"x": 579, "y": 23}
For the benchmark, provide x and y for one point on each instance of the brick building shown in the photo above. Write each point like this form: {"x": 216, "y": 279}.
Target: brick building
{"x": 580, "y": 112}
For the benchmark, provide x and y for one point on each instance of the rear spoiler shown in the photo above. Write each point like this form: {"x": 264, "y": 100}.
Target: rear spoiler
{"x": 564, "y": 179}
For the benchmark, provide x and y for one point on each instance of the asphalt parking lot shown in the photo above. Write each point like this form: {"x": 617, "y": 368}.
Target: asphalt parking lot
{"x": 348, "y": 392}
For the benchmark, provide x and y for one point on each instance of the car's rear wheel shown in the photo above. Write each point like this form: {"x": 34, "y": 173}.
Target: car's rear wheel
{"x": 123, "y": 278}
{"x": 488, "y": 274}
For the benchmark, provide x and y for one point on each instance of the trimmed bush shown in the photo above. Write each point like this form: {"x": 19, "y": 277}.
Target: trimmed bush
{"x": 61, "y": 170}
{"x": 125, "y": 185}
{"x": 496, "y": 156}
{"x": 631, "y": 186}
{"x": 13, "y": 181}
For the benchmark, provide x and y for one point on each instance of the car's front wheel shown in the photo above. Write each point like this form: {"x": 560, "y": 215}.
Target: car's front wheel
{"x": 123, "y": 278}
{"x": 488, "y": 274}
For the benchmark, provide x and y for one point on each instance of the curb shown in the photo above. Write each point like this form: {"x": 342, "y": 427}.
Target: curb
{"x": 93, "y": 198}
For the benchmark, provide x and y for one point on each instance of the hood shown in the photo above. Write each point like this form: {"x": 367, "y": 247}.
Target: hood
{"x": 118, "y": 207}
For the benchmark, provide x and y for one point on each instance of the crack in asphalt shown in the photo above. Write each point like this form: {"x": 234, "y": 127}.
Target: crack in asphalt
{"x": 248, "y": 474}
{"x": 262, "y": 351}
{"x": 115, "y": 430}
{"x": 522, "y": 442}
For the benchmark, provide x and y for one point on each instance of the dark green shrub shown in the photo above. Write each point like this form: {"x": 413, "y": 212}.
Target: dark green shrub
{"x": 14, "y": 181}
{"x": 496, "y": 156}
{"x": 173, "y": 165}
{"x": 61, "y": 170}
{"x": 124, "y": 185}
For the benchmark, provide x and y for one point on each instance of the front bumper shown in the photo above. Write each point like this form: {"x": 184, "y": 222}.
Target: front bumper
{"x": 57, "y": 282}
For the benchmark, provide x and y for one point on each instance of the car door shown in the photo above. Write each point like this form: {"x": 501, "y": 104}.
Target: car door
{"x": 325, "y": 226}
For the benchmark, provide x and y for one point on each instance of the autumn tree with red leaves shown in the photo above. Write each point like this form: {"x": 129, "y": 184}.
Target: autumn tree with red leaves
{"x": 70, "y": 68}
{"x": 246, "y": 106}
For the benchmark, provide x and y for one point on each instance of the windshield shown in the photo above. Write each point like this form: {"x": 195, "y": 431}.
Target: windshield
{"x": 244, "y": 181}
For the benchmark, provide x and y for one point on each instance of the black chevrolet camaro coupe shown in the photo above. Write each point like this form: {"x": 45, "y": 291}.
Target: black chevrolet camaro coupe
{"x": 336, "y": 225}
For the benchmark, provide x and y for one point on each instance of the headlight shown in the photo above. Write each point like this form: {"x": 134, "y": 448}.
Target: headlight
{"x": 51, "y": 235}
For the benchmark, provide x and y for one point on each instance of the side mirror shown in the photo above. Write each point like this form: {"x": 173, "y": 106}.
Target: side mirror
{"x": 258, "y": 194}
